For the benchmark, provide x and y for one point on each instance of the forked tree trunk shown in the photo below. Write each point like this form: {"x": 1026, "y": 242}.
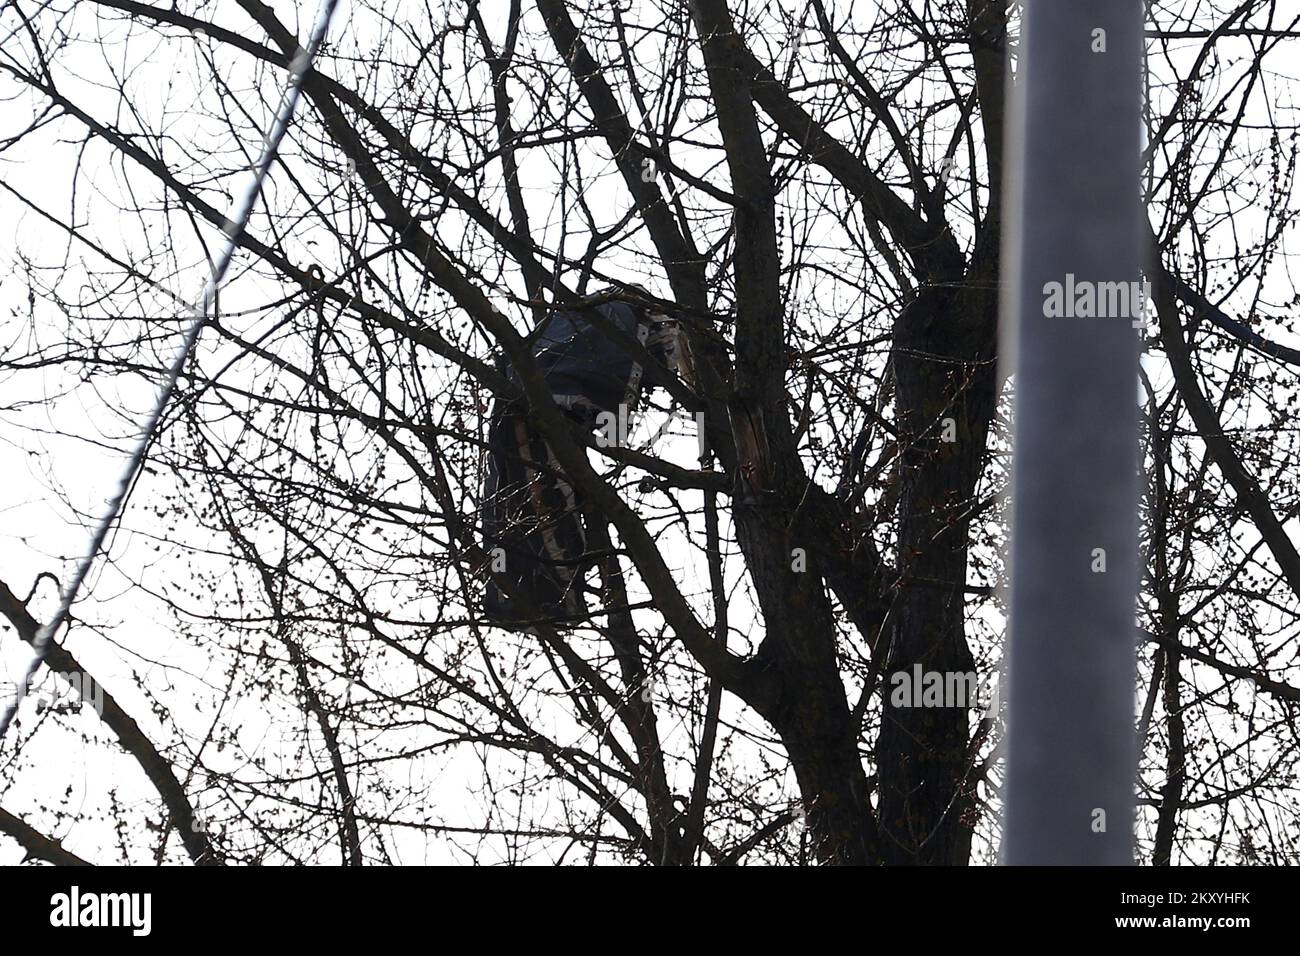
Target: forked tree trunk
{"x": 804, "y": 697}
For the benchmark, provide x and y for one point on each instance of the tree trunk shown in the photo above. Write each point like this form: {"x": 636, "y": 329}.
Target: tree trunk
{"x": 806, "y": 703}
{"x": 944, "y": 354}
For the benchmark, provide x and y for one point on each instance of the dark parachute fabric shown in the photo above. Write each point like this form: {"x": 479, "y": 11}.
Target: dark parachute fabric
{"x": 532, "y": 524}
{"x": 577, "y": 358}
{"x": 532, "y": 515}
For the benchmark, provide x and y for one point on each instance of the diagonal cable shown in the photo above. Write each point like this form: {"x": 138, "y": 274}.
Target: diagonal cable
{"x": 234, "y": 229}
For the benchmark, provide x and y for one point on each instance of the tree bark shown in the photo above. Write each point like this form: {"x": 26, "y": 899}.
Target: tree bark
{"x": 944, "y": 359}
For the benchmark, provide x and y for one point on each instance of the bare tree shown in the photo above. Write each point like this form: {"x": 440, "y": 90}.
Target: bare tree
{"x": 816, "y": 192}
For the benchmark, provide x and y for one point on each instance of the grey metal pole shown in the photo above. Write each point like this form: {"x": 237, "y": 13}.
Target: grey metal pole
{"x": 1072, "y": 234}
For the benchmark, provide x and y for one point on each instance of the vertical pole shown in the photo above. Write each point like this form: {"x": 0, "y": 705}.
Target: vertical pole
{"x": 1069, "y": 311}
